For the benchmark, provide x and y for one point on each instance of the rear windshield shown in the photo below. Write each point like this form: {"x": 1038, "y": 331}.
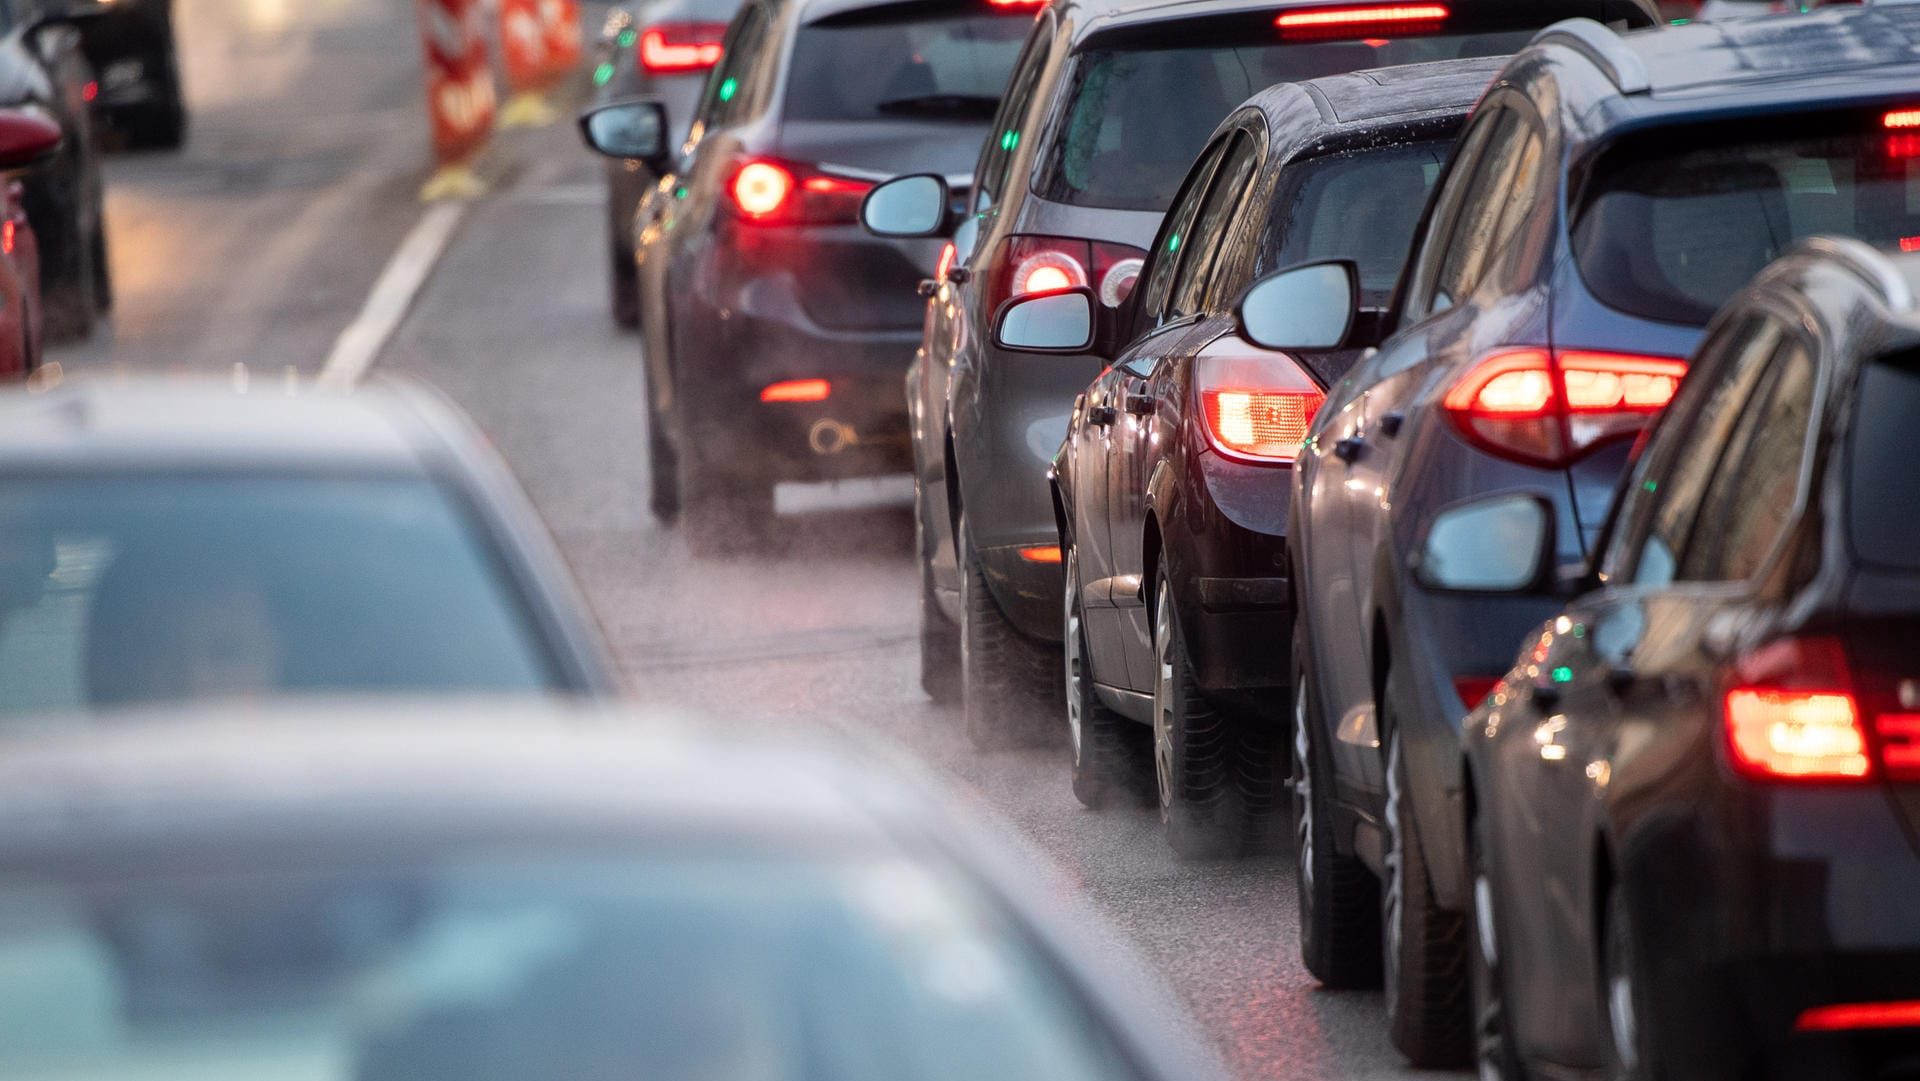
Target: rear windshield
{"x": 162, "y": 589}
{"x": 1140, "y": 116}
{"x": 953, "y": 67}
{"x": 1883, "y": 490}
{"x": 1361, "y": 205}
{"x": 1674, "y": 222}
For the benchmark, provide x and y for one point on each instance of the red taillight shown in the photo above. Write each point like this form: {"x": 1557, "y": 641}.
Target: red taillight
{"x": 1116, "y": 283}
{"x": 1256, "y": 407}
{"x": 1854, "y": 1016}
{"x": 9, "y": 236}
{"x": 1362, "y": 22}
{"x": 1548, "y": 408}
{"x": 769, "y": 192}
{"x": 1902, "y": 118}
{"x": 1790, "y": 714}
{"x": 1041, "y": 553}
{"x": 947, "y": 256}
{"x": 1474, "y": 690}
{"x": 1020, "y": 4}
{"x": 678, "y": 48}
{"x": 1039, "y": 264}
{"x": 1047, "y": 272}
{"x": 797, "y": 390}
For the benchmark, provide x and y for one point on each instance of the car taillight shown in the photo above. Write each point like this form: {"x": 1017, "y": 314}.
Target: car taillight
{"x": 1256, "y": 407}
{"x": 1549, "y": 407}
{"x": 1790, "y": 714}
{"x": 1901, "y": 118}
{"x": 1041, "y": 264}
{"x": 1364, "y": 21}
{"x": 770, "y": 192}
{"x": 948, "y": 255}
{"x": 1474, "y": 690}
{"x": 679, "y": 48}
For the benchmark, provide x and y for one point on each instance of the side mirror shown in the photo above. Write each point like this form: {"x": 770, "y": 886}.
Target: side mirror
{"x": 1047, "y": 322}
{"x": 628, "y": 129}
{"x": 907, "y": 206}
{"x": 26, "y": 139}
{"x": 1306, "y": 307}
{"x": 1500, "y": 544}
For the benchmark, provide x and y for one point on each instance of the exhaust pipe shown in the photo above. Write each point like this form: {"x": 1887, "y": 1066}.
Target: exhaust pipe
{"x": 830, "y": 437}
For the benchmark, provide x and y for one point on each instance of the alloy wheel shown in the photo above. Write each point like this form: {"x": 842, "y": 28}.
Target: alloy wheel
{"x": 1163, "y": 700}
{"x": 1075, "y": 662}
{"x": 1393, "y": 889}
{"x": 1490, "y": 1017}
{"x": 1622, "y": 1020}
{"x": 1302, "y": 777}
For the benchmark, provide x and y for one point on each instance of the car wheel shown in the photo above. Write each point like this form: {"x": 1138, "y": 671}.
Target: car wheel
{"x": 1424, "y": 952}
{"x": 1201, "y": 758}
{"x": 1493, "y": 1048}
{"x": 623, "y": 278}
{"x": 663, "y": 466}
{"x": 70, "y": 303}
{"x": 1625, "y": 1014}
{"x": 1009, "y": 682}
{"x": 1338, "y": 897}
{"x": 939, "y": 638}
{"x": 724, "y": 514}
{"x": 1104, "y": 762}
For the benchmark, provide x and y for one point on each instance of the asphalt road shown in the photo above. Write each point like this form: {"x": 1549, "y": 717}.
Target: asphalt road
{"x": 259, "y": 244}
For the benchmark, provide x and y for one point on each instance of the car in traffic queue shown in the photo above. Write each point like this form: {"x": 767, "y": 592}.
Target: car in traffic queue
{"x": 27, "y": 139}
{"x": 660, "y": 49}
{"x": 135, "y": 59}
{"x": 1608, "y": 195}
{"x": 775, "y": 328}
{"x": 181, "y": 541}
{"x": 1107, "y": 110}
{"x": 446, "y": 894}
{"x": 1692, "y": 802}
{"x": 1171, "y": 485}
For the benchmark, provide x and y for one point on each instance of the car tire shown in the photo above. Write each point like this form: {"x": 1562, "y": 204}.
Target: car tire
{"x": 1622, "y": 1004}
{"x": 1339, "y": 899}
{"x": 1010, "y": 683}
{"x": 623, "y": 277}
{"x": 939, "y": 638}
{"x": 1105, "y": 765}
{"x": 1424, "y": 949}
{"x": 1494, "y": 1052}
{"x": 1203, "y": 761}
{"x": 69, "y": 309}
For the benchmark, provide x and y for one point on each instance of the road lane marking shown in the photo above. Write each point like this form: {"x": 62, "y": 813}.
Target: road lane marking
{"x": 359, "y": 345}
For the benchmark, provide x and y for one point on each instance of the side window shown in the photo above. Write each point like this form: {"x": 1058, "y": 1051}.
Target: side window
{"x": 1456, "y": 187}
{"x": 1744, "y": 516}
{"x": 725, "y": 95}
{"x": 1163, "y": 262}
{"x": 1478, "y": 238}
{"x": 1203, "y": 244}
{"x": 996, "y": 159}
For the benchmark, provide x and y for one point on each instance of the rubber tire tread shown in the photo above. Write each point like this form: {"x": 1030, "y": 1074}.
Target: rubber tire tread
{"x": 1430, "y": 1012}
{"x": 939, "y": 638}
{"x": 1340, "y": 922}
{"x": 1501, "y": 1061}
{"x": 1109, "y": 768}
{"x": 1208, "y": 815}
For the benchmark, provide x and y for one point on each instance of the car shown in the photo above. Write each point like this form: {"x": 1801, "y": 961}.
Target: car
{"x": 132, "y": 51}
{"x": 27, "y": 139}
{"x": 44, "y": 69}
{"x": 181, "y": 541}
{"x": 1693, "y": 796}
{"x": 455, "y": 895}
{"x": 775, "y": 329}
{"x": 1107, "y": 110}
{"x": 661, "y": 49}
{"x": 1609, "y": 193}
{"x": 1171, "y": 487}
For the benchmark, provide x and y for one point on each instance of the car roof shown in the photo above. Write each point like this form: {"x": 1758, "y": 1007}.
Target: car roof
{"x": 201, "y": 422}
{"x": 1099, "y": 16}
{"x": 1378, "y": 96}
{"x": 812, "y": 11}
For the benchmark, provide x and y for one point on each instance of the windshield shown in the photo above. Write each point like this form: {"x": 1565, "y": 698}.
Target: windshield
{"x": 1361, "y": 205}
{"x": 1674, "y": 222}
{"x": 555, "y": 969}
{"x": 1140, "y": 116}
{"x": 123, "y": 591}
{"x": 953, "y": 67}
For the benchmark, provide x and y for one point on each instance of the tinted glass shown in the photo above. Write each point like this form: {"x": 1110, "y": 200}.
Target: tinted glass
{"x": 1139, "y": 116}
{"x": 1223, "y": 201}
{"x": 1358, "y": 205}
{"x": 1673, "y": 224}
{"x": 1883, "y": 488}
{"x": 161, "y": 589}
{"x": 548, "y": 969}
{"x": 1746, "y": 511}
{"x": 954, "y": 67}
{"x": 725, "y": 94}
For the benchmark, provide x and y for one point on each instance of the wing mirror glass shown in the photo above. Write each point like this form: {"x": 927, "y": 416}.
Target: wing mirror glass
{"x": 1047, "y": 322}
{"x": 1503, "y": 544}
{"x": 906, "y": 206}
{"x": 1305, "y": 307}
{"x": 628, "y": 129}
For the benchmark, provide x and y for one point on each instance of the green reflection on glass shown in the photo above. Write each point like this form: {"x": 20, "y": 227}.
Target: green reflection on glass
{"x": 728, "y": 88}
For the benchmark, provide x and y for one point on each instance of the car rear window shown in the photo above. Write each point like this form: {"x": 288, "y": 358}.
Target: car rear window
{"x": 163, "y": 589}
{"x": 945, "y": 67}
{"x": 1883, "y": 492}
{"x": 1672, "y": 223}
{"x": 1361, "y": 205}
{"x": 1139, "y": 116}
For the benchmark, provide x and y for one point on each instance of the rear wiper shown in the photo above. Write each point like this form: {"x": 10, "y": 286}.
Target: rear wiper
{"x": 971, "y": 106}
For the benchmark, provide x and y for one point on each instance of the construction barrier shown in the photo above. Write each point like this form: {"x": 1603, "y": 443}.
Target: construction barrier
{"x": 460, "y": 98}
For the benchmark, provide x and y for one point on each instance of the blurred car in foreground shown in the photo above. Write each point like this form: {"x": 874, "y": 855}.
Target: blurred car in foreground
{"x": 136, "y": 63}
{"x": 1693, "y": 801}
{"x": 661, "y": 50}
{"x": 776, "y": 329}
{"x": 1172, "y": 483}
{"x": 1609, "y": 194}
{"x": 27, "y": 139}
{"x": 164, "y": 542}
{"x": 508, "y": 896}
{"x": 1106, "y": 112}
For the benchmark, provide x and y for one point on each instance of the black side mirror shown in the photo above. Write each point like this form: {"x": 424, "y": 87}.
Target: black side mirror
{"x": 1311, "y": 307}
{"x": 908, "y": 206}
{"x": 1497, "y": 544}
{"x": 629, "y": 130}
{"x": 1062, "y": 322}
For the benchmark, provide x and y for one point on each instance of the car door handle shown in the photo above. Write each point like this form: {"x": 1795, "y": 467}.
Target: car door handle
{"x": 1390, "y": 424}
{"x": 1348, "y": 449}
{"x": 1546, "y": 699}
{"x": 928, "y": 287}
{"x": 1140, "y": 405}
{"x": 1100, "y": 415}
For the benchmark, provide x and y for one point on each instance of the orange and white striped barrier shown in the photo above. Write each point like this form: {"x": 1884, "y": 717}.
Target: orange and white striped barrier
{"x": 460, "y": 98}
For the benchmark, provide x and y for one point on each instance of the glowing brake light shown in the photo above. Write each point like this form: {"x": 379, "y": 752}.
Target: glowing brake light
{"x": 1902, "y": 118}
{"x": 797, "y": 390}
{"x": 760, "y": 188}
{"x": 1041, "y": 553}
{"x": 1547, "y": 407}
{"x": 769, "y": 192}
{"x": 1852, "y": 1016}
{"x": 1257, "y": 408}
{"x": 1048, "y": 271}
{"x": 1362, "y": 22}
{"x": 1796, "y": 734}
{"x": 678, "y": 48}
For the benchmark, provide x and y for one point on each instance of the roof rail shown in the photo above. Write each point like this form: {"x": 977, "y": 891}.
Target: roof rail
{"x": 1866, "y": 261}
{"x": 1602, "y": 46}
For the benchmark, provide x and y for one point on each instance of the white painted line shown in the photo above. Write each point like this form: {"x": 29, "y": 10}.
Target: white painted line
{"x": 358, "y": 346}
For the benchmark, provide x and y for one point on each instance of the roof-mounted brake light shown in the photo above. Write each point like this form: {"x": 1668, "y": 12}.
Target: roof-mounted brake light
{"x": 1902, "y": 118}
{"x": 1362, "y": 22}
